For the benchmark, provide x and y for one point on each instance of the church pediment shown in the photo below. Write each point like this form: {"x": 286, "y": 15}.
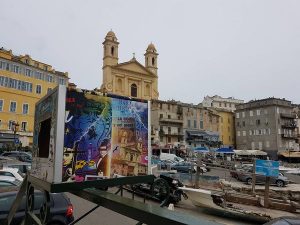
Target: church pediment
{"x": 134, "y": 66}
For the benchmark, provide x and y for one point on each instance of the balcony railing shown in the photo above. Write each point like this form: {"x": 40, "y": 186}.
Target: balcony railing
{"x": 288, "y": 115}
{"x": 289, "y": 125}
{"x": 289, "y": 136}
{"x": 179, "y": 110}
{"x": 169, "y": 120}
{"x": 174, "y": 134}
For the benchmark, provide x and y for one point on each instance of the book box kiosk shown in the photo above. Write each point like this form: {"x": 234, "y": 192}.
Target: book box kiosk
{"x": 82, "y": 135}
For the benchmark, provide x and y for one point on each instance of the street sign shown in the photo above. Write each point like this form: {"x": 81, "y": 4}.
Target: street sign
{"x": 17, "y": 141}
{"x": 267, "y": 168}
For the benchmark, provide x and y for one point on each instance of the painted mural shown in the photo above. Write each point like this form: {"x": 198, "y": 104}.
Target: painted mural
{"x": 104, "y": 136}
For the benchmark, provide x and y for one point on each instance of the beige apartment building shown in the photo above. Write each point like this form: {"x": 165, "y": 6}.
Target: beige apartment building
{"x": 219, "y": 102}
{"x": 201, "y": 126}
{"x": 175, "y": 123}
{"x": 166, "y": 123}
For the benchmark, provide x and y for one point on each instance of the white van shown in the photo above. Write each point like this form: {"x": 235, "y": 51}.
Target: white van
{"x": 173, "y": 157}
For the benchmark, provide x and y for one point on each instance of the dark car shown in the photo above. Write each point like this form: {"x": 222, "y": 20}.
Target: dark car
{"x": 237, "y": 170}
{"x": 184, "y": 167}
{"x": 22, "y": 156}
{"x": 61, "y": 211}
{"x": 165, "y": 163}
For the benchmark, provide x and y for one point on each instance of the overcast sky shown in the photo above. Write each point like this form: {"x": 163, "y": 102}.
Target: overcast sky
{"x": 248, "y": 49}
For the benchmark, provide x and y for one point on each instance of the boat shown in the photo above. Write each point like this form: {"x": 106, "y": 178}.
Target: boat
{"x": 219, "y": 201}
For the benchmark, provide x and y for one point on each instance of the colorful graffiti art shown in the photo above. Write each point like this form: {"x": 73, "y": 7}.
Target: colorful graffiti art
{"x": 103, "y": 136}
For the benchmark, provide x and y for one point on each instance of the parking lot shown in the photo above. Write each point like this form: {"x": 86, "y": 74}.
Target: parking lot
{"x": 225, "y": 174}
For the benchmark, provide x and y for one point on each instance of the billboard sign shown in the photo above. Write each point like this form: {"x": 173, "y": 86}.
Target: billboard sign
{"x": 267, "y": 168}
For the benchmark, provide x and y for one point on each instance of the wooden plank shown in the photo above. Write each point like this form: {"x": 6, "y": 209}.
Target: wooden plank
{"x": 267, "y": 189}
{"x": 253, "y": 178}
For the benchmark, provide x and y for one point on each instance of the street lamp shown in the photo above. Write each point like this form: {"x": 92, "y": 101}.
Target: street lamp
{"x": 15, "y": 126}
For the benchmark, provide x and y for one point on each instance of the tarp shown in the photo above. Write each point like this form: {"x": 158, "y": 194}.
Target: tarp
{"x": 249, "y": 152}
{"x": 225, "y": 150}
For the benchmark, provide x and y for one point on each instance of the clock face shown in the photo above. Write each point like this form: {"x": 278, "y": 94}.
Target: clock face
{"x": 109, "y": 87}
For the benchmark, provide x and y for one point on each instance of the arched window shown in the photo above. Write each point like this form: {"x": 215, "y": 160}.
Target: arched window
{"x": 112, "y": 50}
{"x": 133, "y": 88}
{"x": 147, "y": 90}
{"x": 119, "y": 85}
{"x": 153, "y": 61}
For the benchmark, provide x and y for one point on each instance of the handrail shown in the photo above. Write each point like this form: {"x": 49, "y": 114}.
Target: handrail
{"x": 17, "y": 201}
{"x": 145, "y": 213}
{"x": 142, "y": 212}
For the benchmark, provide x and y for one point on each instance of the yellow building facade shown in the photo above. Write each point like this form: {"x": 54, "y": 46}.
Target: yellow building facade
{"x": 226, "y": 127}
{"x": 131, "y": 78}
{"x": 23, "y": 81}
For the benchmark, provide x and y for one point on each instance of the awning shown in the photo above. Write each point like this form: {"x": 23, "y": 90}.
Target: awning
{"x": 249, "y": 152}
{"x": 225, "y": 150}
{"x": 290, "y": 154}
{"x": 201, "y": 149}
{"x": 196, "y": 133}
{"x": 200, "y": 133}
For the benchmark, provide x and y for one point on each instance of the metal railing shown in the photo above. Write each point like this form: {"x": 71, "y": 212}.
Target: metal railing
{"x": 142, "y": 212}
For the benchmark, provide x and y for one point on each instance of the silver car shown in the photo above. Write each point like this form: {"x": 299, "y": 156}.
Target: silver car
{"x": 246, "y": 176}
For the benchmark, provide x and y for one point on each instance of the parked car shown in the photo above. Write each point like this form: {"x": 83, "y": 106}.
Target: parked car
{"x": 164, "y": 163}
{"x": 23, "y": 167}
{"x": 238, "y": 169}
{"x": 184, "y": 167}
{"x": 6, "y": 181}
{"x": 173, "y": 157}
{"x": 22, "y": 156}
{"x": 61, "y": 209}
{"x": 11, "y": 172}
{"x": 246, "y": 176}
{"x": 5, "y": 159}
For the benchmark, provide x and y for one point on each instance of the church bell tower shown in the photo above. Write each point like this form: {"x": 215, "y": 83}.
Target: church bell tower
{"x": 110, "y": 58}
{"x": 151, "y": 58}
{"x": 110, "y": 49}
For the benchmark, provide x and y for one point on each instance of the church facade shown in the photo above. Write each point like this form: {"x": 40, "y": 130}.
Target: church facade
{"x": 131, "y": 78}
